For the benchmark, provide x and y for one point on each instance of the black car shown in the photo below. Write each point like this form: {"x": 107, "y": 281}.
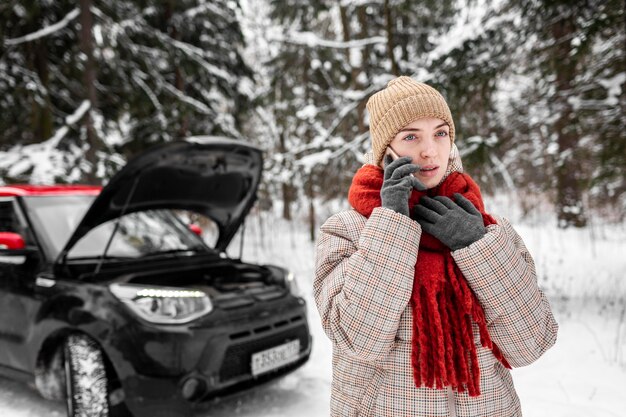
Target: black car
{"x": 108, "y": 299}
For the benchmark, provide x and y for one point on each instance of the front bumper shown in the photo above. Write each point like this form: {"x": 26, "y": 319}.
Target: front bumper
{"x": 174, "y": 371}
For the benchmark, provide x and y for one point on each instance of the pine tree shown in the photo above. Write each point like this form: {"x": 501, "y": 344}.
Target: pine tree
{"x": 333, "y": 56}
{"x": 584, "y": 94}
{"x": 27, "y": 67}
{"x": 297, "y": 87}
{"x": 177, "y": 66}
{"x": 151, "y": 71}
{"x": 538, "y": 95}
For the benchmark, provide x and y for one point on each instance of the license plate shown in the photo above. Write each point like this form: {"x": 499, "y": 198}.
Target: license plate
{"x": 275, "y": 357}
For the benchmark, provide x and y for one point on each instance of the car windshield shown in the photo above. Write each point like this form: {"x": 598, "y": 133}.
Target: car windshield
{"x": 144, "y": 233}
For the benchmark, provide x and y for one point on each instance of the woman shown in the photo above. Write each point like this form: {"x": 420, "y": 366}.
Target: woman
{"x": 428, "y": 299}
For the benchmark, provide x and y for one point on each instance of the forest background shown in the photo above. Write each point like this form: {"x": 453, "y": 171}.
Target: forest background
{"x": 537, "y": 90}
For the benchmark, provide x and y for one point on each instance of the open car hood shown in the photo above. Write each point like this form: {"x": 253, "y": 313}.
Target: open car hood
{"x": 216, "y": 177}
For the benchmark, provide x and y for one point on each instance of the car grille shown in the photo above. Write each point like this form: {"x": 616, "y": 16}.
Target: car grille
{"x": 237, "y": 358}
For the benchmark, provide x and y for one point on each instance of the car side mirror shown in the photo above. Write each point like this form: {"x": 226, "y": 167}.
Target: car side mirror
{"x": 13, "y": 249}
{"x": 196, "y": 229}
{"x": 11, "y": 241}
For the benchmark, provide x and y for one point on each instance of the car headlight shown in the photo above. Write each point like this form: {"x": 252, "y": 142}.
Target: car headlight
{"x": 163, "y": 305}
{"x": 292, "y": 284}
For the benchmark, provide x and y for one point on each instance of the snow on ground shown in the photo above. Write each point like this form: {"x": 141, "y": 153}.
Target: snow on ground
{"x": 584, "y": 374}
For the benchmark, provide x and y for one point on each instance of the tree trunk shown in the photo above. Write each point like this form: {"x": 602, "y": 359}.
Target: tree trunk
{"x": 364, "y": 62}
{"x": 311, "y": 196}
{"x": 346, "y": 128}
{"x": 287, "y": 189}
{"x": 42, "y": 121}
{"x": 402, "y": 39}
{"x": 310, "y": 176}
{"x": 89, "y": 78}
{"x": 568, "y": 171}
{"x": 345, "y": 25}
{"x": 390, "y": 41}
{"x": 355, "y": 70}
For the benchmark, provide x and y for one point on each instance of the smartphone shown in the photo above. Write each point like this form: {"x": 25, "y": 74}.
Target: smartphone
{"x": 389, "y": 151}
{"x": 394, "y": 156}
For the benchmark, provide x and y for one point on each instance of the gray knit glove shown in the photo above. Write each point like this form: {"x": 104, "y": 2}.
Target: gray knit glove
{"x": 399, "y": 183}
{"x": 456, "y": 225}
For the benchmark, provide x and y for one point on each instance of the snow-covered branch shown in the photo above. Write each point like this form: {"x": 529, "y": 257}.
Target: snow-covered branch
{"x": 34, "y": 82}
{"x": 198, "y": 105}
{"x": 351, "y": 145}
{"x": 311, "y": 40}
{"x": 44, "y": 159}
{"x": 126, "y": 23}
{"x": 191, "y": 13}
{"x": 195, "y": 53}
{"x": 153, "y": 98}
{"x": 345, "y": 112}
{"x": 69, "y": 122}
{"x": 325, "y": 154}
{"x": 268, "y": 120}
{"x": 46, "y": 31}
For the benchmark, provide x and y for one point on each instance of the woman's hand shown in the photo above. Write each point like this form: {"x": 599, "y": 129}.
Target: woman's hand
{"x": 399, "y": 183}
{"x": 456, "y": 225}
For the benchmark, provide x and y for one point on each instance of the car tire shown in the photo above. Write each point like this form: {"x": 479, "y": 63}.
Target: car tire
{"x": 85, "y": 377}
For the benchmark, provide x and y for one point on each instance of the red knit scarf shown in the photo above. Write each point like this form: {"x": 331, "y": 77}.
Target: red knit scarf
{"x": 442, "y": 303}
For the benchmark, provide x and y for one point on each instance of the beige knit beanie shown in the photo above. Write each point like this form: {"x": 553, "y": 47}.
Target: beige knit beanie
{"x": 403, "y": 101}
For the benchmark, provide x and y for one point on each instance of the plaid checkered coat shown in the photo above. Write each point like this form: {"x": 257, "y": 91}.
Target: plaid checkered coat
{"x": 363, "y": 283}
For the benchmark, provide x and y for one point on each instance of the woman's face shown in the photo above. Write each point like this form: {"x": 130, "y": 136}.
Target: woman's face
{"x": 427, "y": 141}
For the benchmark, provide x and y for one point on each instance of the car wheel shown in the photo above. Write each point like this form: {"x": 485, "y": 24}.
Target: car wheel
{"x": 85, "y": 377}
